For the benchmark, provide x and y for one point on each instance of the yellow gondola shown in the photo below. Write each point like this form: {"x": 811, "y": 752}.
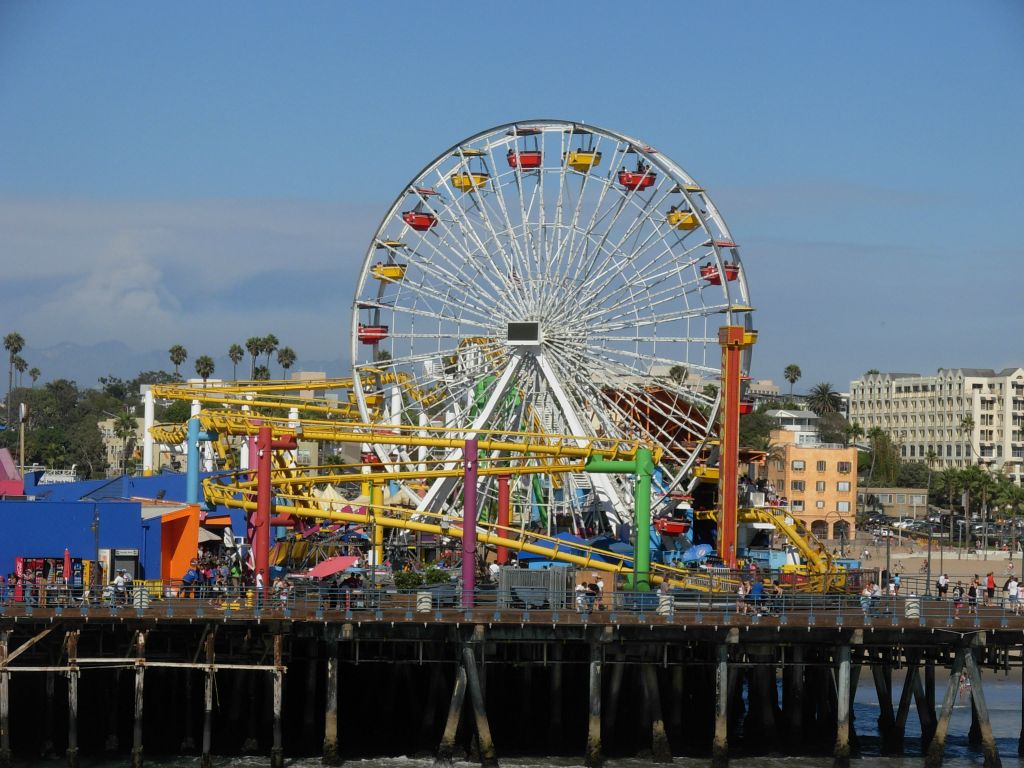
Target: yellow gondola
{"x": 682, "y": 219}
{"x": 389, "y": 273}
{"x": 582, "y": 160}
{"x": 467, "y": 182}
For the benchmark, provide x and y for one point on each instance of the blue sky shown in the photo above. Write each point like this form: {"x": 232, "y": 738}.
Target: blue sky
{"x": 198, "y": 173}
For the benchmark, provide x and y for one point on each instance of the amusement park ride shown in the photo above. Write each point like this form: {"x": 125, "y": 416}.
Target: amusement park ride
{"x": 551, "y": 316}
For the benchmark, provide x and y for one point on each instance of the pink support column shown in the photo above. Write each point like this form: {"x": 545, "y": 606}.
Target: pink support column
{"x": 469, "y": 524}
{"x": 264, "y": 493}
{"x": 503, "y": 516}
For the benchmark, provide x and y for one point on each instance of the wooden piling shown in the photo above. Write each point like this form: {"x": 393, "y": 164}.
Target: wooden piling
{"x": 793, "y": 700}
{"x": 205, "y": 759}
{"x": 910, "y": 681}
{"x": 886, "y": 715}
{"x": 447, "y": 747}
{"x": 5, "y": 703}
{"x": 188, "y": 741}
{"x": 488, "y": 756}
{"x": 555, "y": 729}
{"x": 988, "y": 741}
{"x": 937, "y": 747}
{"x": 593, "y": 757}
{"x": 676, "y": 709}
{"x": 720, "y": 745}
{"x": 841, "y": 755}
{"x": 251, "y": 743}
{"x": 46, "y": 743}
{"x": 72, "y": 650}
{"x": 330, "y": 751}
{"x": 112, "y": 742}
{"x": 614, "y": 693}
{"x": 277, "y": 750}
{"x": 140, "y": 678}
{"x": 662, "y": 752}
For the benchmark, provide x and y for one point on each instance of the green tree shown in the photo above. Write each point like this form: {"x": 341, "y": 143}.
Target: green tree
{"x": 872, "y": 372}
{"x": 34, "y": 374}
{"x": 677, "y": 373}
{"x": 254, "y": 346}
{"x": 262, "y": 373}
{"x": 178, "y": 356}
{"x": 204, "y": 367}
{"x": 286, "y": 358}
{"x": 854, "y": 432}
{"x": 755, "y": 430}
{"x": 235, "y": 354}
{"x": 20, "y": 365}
{"x": 832, "y": 428}
{"x": 823, "y": 399}
{"x": 13, "y": 343}
{"x": 792, "y": 374}
{"x": 269, "y": 345}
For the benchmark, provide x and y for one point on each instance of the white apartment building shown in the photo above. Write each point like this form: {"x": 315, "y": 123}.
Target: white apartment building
{"x": 928, "y": 414}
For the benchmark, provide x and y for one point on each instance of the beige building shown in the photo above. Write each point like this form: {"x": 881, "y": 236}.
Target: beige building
{"x": 960, "y": 416}
{"x": 897, "y": 502}
{"x": 819, "y": 480}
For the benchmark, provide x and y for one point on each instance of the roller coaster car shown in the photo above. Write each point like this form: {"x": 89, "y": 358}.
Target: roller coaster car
{"x": 372, "y": 400}
{"x": 389, "y": 273}
{"x": 421, "y": 221}
{"x": 669, "y": 527}
{"x": 527, "y": 159}
{"x": 467, "y": 182}
{"x": 710, "y": 273}
{"x": 682, "y": 219}
{"x": 582, "y": 160}
{"x": 636, "y": 181}
{"x": 372, "y": 334}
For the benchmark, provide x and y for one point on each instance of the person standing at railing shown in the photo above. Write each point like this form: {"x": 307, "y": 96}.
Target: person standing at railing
{"x": 958, "y": 599}
{"x": 1013, "y": 595}
{"x": 972, "y": 595}
{"x": 990, "y": 588}
{"x": 259, "y": 590}
{"x": 741, "y": 597}
{"x": 942, "y": 586}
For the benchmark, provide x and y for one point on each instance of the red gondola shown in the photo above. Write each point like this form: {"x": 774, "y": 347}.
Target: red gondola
{"x": 372, "y": 334}
{"x": 421, "y": 221}
{"x": 710, "y": 273}
{"x": 636, "y": 181}
{"x": 526, "y": 159}
{"x": 669, "y": 527}
{"x": 746, "y": 406}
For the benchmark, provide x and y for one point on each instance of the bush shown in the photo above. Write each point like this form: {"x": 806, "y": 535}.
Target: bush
{"x": 436, "y": 576}
{"x": 407, "y": 580}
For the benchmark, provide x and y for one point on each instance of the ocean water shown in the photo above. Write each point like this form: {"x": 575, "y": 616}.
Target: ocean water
{"x": 1002, "y": 695}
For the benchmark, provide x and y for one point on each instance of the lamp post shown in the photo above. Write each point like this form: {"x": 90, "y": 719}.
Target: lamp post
{"x": 928, "y": 583}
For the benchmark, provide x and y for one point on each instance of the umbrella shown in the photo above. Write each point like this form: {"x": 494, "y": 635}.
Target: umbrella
{"x": 67, "y": 565}
{"x": 332, "y": 565}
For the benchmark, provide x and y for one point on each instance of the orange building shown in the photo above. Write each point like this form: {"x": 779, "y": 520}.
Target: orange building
{"x": 820, "y": 482}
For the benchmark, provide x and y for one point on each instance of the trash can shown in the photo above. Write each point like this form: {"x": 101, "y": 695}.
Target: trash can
{"x": 665, "y": 605}
{"x": 424, "y": 602}
{"x": 140, "y": 597}
{"x": 912, "y": 608}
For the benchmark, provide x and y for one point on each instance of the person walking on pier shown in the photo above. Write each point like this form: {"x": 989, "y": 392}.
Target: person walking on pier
{"x": 958, "y": 599}
{"x": 1013, "y": 594}
{"x": 259, "y": 590}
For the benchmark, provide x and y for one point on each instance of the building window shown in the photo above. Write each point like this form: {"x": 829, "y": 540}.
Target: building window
{"x": 798, "y": 465}
{"x": 844, "y": 467}
{"x": 819, "y": 504}
{"x": 798, "y": 505}
{"x": 821, "y": 466}
{"x": 901, "y": 498}
{"x": 796, "y": 485}
{"x": 843, "y": 486}
{"x": 819, "y": 528}
{"x": 820, "y": 486}
{"x": 842, "y": 506}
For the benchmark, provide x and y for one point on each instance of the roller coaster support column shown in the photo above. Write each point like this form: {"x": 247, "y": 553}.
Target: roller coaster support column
{"x": 194, "y": 437}
{"x": 642, "y": 469}
{"x": 265, "y": 443}
{"x": 503, "y": 517}
{"x": 149, "y": 419}
{"x": 733, "y": 339}
{"x": 469, "y": 455}
{"x": 377, "y": 505}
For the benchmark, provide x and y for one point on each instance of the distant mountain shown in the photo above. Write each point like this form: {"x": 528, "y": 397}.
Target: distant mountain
{"x": 84, "y": 364}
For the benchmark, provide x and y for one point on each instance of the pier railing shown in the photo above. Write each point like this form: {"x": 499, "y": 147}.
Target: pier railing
{"x": 446, "y": 602}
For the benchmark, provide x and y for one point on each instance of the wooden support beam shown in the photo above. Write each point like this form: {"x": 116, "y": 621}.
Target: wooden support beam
{"x": 720, "y": 745}
{"x": 28, "y": 644}
{"x": 277, "y": 749}
{"x": 46, "y": 746}
{"x": 5, "y": 702}
{"x": 206, "y": 757}
{"x": 488, "y": 756}
{"x": 614, "y": 693}
{"x": 446, "y": 750}
{"x": 910, "y": 681}
{"x": 841, "y": 754}
{"x": 937, "y": 748}
{"x": 330, "y": 750}
{"x": 593, "y": 757}
{"x": 555, "y": 729}
{"x": 926, "y": 706}
{"x": 660, "y": 749}
{"x": 140, "y": 678}
{"x": 72, "y": 673}
{"x": 886, "y": 714}
{"x": 988, "y": 741}
{"x": 793, "y": 702}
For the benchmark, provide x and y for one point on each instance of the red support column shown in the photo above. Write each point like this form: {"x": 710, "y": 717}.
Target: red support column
{"x": 469, "y": 453}
{"x": 503, "y": 516}
{"x": 265, "y": 445}
{"x": 733, "y": 339}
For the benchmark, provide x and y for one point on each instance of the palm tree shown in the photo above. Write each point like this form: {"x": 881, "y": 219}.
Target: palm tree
{"x": 854, "y": 432}
{"x": 677, "y": 373}
{"x": 20, "y": 366}
{"x": 872, "y": 372}
{"x": 967, "y": 425}
{"x": 125, "y": 427}
{"x": 286, "y": 358}
{"x": 235, "y": 354}
{"x": 269, "y": 346}
{"x": 204, "y": 367}
{"x": 824, "y": 399}
{"x": 792, "y": 374}
{"x": 34, "y": 374}
{"x": 261, "y": 373}
{"x": 13, "y": 343}
{"x": 178, "y": 356}
{"x": 254, "y": 345}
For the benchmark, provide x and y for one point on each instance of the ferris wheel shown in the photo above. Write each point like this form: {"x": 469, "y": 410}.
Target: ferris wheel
{"x": 549, "y": 277}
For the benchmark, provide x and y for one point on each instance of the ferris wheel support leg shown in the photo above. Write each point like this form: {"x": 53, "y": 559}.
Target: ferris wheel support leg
{"x": 469, "y": 524}
{"x": 733, "y": 340}
{"x": 503, "y": 516}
